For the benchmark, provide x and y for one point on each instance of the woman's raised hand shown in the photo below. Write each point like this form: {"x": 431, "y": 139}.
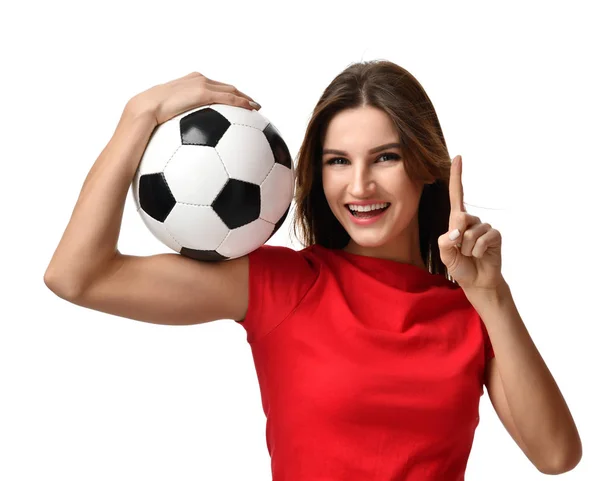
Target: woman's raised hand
{"x": 165, "y": 101}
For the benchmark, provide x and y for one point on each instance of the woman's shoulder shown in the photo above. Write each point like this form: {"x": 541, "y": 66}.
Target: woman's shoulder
{"x": 313, "y": 251}
{"x": 306, "y": 260}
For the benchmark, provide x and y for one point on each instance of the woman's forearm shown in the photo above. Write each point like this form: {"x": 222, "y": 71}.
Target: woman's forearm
{"x": 537, "y": 406}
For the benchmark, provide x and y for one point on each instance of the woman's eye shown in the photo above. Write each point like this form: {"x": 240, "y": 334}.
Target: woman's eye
{"x": 390, "y": 155}
{"x": 337, "y": 160}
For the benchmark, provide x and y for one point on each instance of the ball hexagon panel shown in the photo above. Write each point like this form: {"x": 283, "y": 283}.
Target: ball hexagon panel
{"x": 242, "y": 116}
{"x": 163, "y": 143}
{"x": 156, "y": 199}
{"x": 203, "y": 127}
{"x": 240, "y": 143}
{"x": 279, "y": 223}
{"x": 195, "y": 175}
{"x": 236, "y": 242}
{"x": 196, "y": 227}
{"x": 279, "y": 184}
{"x": 160, "y": 231}
{"x": 238, "y": 203}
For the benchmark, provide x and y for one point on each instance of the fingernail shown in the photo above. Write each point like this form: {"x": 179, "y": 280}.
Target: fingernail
{"x": 255, "y": 105}
{"x": 455, "y": 234}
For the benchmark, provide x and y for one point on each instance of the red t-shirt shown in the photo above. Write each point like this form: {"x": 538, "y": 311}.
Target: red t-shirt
{"x": 369, "y": 369}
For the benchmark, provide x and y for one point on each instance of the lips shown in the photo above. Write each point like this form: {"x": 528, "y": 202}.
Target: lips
{"x": 374, "y": 212}
{"x": 368, "y": 204}
{"x": 366, "y": 220}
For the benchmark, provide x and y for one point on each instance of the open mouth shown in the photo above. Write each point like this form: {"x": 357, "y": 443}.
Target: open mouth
{"x": 366, "y": 214}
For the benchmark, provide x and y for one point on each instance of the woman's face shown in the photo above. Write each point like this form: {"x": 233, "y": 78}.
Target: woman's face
{"x": 354, "y": 175}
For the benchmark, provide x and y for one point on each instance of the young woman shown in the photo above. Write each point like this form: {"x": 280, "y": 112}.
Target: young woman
{"x": 373, "y": 343}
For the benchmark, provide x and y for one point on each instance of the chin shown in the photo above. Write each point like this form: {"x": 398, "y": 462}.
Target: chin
{"x": 369, "y": 240}
{"x": 373, "y": 237}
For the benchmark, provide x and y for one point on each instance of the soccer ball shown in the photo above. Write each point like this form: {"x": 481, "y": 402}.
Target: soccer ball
{"x": 214, "y": 183}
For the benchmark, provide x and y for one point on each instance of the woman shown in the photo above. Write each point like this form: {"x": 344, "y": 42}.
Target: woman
{"x": 372, "y": 343}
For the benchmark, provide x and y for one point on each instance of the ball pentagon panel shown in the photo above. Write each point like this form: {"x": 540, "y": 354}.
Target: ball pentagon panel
{"x": 278, "y": 146}
{"x": 155, "y": 197}
{"x": 238, "y": 203}
{"x": 203, "y": 126}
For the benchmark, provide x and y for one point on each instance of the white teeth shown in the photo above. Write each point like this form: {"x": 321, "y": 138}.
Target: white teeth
{"x": 367, "y": 208}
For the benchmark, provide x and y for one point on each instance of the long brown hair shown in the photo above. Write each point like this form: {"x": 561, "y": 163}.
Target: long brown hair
{"x": 386, "y": 86}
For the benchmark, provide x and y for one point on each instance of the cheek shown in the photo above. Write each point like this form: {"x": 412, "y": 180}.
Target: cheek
{"x": 331, "y": 188}
{"x": 402, "y": 186}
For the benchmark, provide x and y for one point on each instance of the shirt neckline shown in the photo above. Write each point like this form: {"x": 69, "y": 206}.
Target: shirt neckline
{"x": 391, "y": 272}
{"x": 364, "y": 260}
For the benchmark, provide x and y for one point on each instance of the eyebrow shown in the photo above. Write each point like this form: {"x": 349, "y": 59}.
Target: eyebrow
{"x": 372, "y": 151}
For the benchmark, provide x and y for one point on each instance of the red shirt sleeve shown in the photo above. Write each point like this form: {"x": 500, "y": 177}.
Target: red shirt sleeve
{"x": 279, "y": 278}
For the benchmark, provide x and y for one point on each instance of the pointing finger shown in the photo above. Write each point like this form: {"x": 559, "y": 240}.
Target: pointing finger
{"x": 455, "y": 186}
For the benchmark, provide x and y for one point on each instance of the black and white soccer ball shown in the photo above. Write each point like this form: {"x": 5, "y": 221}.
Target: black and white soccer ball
{"x": 214, "y": 183}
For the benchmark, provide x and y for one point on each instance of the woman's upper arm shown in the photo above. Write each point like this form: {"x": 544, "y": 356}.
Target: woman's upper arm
{"x": 278, "y": 279}
{"x": 169, "y": 289}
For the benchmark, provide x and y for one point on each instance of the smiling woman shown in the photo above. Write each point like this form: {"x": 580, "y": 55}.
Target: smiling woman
{"x": 375, "y": 138}
{"x": 377, "y": 182}
{"x": 370, "y": 339}
{"x": 388, "y": 357}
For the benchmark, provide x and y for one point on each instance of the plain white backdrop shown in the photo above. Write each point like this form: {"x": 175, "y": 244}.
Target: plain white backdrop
{"x": 87, "y": 395}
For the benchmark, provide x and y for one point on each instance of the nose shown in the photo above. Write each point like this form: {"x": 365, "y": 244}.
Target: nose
{"x": 362, "y": 183}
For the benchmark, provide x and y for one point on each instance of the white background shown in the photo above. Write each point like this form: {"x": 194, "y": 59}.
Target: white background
{"x": 87, "y": 395}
